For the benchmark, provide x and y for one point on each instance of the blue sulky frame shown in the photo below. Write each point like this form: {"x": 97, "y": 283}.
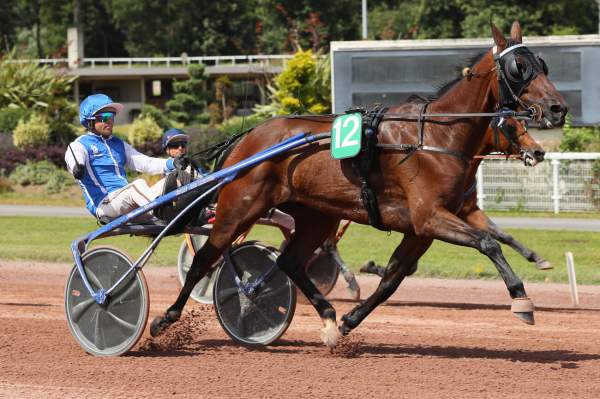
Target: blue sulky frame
{"x": 222, "y": 177}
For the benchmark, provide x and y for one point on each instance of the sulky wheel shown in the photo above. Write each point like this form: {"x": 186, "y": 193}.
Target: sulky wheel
{"x": 114, "y": 327}
{"x": 262, "y": 317}
{"x": 323, "y": 271}
{"x": 203, "y": 291}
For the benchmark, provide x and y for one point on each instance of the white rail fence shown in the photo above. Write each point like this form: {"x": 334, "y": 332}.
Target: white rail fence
{"x": 568, "y": 182}
{"x": 131, "y": 62}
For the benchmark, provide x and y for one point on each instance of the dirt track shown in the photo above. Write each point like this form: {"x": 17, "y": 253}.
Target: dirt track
{"x": 435, "y": 338}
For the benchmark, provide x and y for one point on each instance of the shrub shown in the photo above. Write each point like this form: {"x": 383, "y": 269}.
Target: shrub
{"x": 40, "y": 89}
{"x": 33, "y": 173}
{"x": 158, "y": 115}
{"x": 14, "y": 157}
{"x": 303, "y": 86}
{"x": 237, "y": 124}
{"x": 144, "y": 130}
{"x": 580, "y": 138}
{"x": 33, "y": 132}
{"x": 10, "y": 117}
{"x": 5, "y": 185}
{"x": 58, "y": 181}
{"x": 190, "y": 96}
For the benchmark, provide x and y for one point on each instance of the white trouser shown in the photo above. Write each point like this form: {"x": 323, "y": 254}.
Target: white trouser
{"x": 128, "y": 198}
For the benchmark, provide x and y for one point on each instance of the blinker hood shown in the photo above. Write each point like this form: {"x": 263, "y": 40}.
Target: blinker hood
{"x": 516, "y": 66}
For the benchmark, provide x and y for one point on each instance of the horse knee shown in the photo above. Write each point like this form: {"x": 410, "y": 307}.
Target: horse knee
{"x": 488, "y": 245}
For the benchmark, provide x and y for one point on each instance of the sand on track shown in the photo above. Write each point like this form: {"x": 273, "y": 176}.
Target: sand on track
{"x": 434, "y": 338}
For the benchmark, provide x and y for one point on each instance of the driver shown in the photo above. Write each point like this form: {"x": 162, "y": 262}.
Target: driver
{"x": 98, "y": 160}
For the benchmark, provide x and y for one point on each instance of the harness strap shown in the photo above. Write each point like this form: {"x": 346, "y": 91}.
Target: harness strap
{"x": 363, "y": 164}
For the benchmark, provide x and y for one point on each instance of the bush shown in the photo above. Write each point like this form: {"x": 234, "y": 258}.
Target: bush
{"x": 33, "y": 173}
{"x": 144, "y": 130}
{"x": 40, "y": 89}
{"x": 237, "y": 124}
{"x": 158, "y": 115}
{"x": 586, "y": 139}
{"x": 304, "y": 86}
{"x": 34, "y": 132}
{"x": 14, "y": 157}
{"x": 58, "y": 181}
{"x": 10, "y": 117}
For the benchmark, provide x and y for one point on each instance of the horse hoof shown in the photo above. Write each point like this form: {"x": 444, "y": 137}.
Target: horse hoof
{"x": 354, "y": 294}
{"x": 330, "y": 334}
{"x": 344, "y": 329}
{"x": 159, "y": 324}
{"x": 543, "y": 265}
{"x": 523, "y": 309}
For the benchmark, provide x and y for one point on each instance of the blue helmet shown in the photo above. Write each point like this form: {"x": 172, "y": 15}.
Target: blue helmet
{"x": 94, "y": 103}
{"x": 173, "y": 134}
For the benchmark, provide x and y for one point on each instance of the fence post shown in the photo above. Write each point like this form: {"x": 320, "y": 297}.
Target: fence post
{"x": 555, "y": 183}
{"x": 479, "y": 177}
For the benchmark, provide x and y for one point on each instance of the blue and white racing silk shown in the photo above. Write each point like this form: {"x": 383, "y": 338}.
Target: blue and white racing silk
{"x": 105, "y": 160}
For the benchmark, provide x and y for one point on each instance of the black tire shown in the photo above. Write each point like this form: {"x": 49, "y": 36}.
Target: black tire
{"x": 263, "y": 317}
{"x": 115, "y": 327}
{"x": 203, "y": 291}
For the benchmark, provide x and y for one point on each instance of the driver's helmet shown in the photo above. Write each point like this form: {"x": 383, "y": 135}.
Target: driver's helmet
{"x": 93, "y": 104}
{"x": 173, "y": 134}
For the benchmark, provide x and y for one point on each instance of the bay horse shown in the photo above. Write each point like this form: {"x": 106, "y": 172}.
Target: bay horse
{"x": 419, "y": 194}
{"x": 512, "y": 139}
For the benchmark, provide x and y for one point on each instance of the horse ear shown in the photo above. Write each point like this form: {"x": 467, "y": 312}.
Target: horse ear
{"x": 515, "y": 32}
{"x": 498, "y": 36}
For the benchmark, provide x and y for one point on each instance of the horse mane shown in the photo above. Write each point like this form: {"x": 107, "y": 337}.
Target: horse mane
{"x": 444, "y": 87}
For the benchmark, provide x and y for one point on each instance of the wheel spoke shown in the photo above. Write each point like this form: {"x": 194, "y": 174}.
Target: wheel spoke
{"x": 99, "y": 340}
{"x": 123, "y": 323}
{"x": 79, "y": 309}
{"x": 93, "y": 278}
{"x": 260, "y": 312}
{"x": 122, "y": 297}
{"x": 266, "y": 294}
{"x": 227, "y": 294}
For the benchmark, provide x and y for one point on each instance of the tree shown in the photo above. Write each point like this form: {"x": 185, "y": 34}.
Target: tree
{"x": 288, "y": 25}
{"x": 40, "y": 89}
{"x": 190, "y": 97}
{"x": 302, "y": 87}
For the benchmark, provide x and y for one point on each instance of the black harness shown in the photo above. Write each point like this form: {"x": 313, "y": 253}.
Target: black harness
{"x": 516, "y": 67}
{"x": 362, "y": 164}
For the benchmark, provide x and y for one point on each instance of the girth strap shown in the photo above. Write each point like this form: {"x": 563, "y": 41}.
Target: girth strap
{"x": 363, "y": 163}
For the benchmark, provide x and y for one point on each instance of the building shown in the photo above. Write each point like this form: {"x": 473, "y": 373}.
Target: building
{"x": 387, "y": 72}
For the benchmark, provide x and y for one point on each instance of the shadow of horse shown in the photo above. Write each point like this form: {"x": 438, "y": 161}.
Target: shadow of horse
{"x": 471, "y": 306}
{"x": 563, "y": 358}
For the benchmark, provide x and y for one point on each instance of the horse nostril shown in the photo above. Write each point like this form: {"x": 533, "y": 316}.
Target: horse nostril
{"x": 539, "y": 154}
{"x": 557, "y": 109}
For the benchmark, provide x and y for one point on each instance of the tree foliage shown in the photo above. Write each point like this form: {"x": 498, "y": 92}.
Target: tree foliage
{"x": 190, "y": 96}
{"x": 302, "y": 87}
{"x": 39, "y": 89}
{"x": 115, "y": 28}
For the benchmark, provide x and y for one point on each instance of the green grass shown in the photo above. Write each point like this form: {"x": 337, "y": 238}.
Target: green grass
{"x": 48, "y": 239}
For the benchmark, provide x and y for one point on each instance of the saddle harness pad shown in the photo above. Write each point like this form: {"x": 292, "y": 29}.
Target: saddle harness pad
{"x": 362, "y": 164}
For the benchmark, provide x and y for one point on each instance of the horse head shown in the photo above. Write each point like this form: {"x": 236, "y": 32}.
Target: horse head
{"x": 512, "y": 138}
{"x": 523, "y": 80}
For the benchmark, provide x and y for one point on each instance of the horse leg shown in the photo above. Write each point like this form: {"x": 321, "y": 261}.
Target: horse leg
{"x": 233, "y": 220}
{"x": 480, "y": 220}
{"x": 402, "y": 263}
{"x": 373, "y": 268}
{"x": 448, "y": 227}
{"x": 312, "y": 228}
{"x": 350, "y": 278}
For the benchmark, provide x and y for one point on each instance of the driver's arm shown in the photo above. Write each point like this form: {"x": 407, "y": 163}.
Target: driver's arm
{"x": 76, "y": 159}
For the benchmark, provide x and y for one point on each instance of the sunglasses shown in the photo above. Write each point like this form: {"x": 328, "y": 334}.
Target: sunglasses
{"x": 104, "y": 117}
{"x": 177, "y": 145}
